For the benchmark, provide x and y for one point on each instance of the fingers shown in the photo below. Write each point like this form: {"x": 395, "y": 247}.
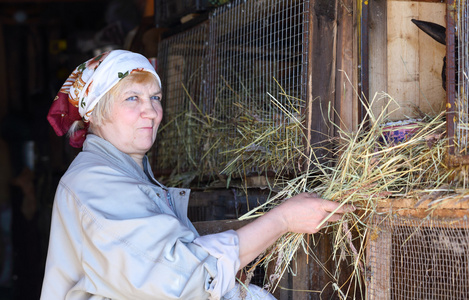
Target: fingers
{"x": 328, "y": 219}
{"x": 331, "y": 206}
{"x": 307, "y": 213}
{"x": 334, "y": 211}
{"x": 334, "y": 218}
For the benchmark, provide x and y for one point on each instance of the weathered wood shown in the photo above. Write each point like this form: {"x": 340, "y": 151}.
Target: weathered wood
{"x": 431, "y": 53}
{"x": 378, "y": 257}
{"x": 378, "y": 47}
{"x": 320, "y": 94}
{"x": 346, "y": 98}
{"x": 321, "y": 67}
{"x": 414, "y": 59}
{"x": 421, "y": 209}
{"x": 402, "y": 53}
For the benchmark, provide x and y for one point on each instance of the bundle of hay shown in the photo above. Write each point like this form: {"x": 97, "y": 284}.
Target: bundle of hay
{"x": 239, "y": 136}
{"x": 363, "y": 168}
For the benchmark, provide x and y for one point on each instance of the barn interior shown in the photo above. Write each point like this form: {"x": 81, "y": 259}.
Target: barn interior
{"x": 264, "y": 99}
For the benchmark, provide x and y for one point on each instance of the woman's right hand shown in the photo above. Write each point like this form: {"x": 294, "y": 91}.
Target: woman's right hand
{"x": 304, "y": 213}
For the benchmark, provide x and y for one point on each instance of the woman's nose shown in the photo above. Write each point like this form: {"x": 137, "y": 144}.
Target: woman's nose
{"x": 149, "y": 111}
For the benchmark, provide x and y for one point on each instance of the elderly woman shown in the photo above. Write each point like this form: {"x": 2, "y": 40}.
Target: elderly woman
{"x": 116, "y": 232}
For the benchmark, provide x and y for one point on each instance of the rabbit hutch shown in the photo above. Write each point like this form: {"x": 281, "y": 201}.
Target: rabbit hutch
{"x": 362, "y": 102}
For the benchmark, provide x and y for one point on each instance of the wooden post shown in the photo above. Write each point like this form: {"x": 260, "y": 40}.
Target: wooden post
{"x": 378, "y": 49}
{"x": 310, "y": 279}
{"x": 378, "y": 257}
{"x": 345, "y": 83}
{"x": 321, "y": 68}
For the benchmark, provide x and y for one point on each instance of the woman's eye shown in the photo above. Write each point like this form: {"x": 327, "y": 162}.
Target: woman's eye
{"x": 158, "y": 98}
{"x": 133, "y": 98}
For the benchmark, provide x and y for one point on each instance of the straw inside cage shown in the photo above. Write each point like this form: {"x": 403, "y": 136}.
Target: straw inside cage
{"x": 227, "y": 80}
{"x": 182, "y": 66}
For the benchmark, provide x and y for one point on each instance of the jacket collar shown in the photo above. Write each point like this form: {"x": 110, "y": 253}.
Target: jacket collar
{"x": 123, "y": 161}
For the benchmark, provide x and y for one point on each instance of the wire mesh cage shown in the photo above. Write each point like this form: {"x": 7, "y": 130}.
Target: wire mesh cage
{"x": 182, "y": 62}
{"x": 226, "y": 81}
{"x": 415, "y": 258}
{"x": 457, "y": 64}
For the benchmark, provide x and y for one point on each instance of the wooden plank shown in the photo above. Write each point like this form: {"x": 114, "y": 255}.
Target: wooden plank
{"x": 414, "y": 60}
{"x": 402, "y": 53}
{"x": 356, "y": 105}
{"x": 345, "y": 95}
{"x": 425, "y": 204}
{"x": 378, "y": 257}
{"x": 432, "y": 96}
{"x": 322, "y": 67}
{"x": 421, "y": 209}
{"x": 320, "y": 80}
{"x": 378, "y": 46}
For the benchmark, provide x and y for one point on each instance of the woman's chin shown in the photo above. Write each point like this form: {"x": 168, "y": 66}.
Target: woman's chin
{"x": 146, "y": 145}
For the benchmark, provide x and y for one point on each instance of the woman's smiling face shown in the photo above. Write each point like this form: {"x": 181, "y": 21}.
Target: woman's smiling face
{"x": 136, "y": 113}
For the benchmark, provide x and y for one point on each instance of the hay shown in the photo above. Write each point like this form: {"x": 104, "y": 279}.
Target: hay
{"x": 237, "y": 137}
{"x": 363, "y": 168}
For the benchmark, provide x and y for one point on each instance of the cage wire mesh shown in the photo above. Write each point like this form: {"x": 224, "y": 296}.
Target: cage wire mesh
{"x": 244, "y": 72}
{"x": 259, "y": 50}
{"x": 182, "y": 64}
{"x": 411, "y": 258}
{"x": 461, "y": 55}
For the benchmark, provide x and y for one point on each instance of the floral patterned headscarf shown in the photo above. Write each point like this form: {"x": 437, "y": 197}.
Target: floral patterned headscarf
{"x": 87, "y": 84}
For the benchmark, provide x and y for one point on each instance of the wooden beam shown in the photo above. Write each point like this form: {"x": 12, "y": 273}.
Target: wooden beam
{"x": 321, "y": 95}
{"x": 378, "y": 49}
{"x": 346, "y": 70}
{"x": 458, "y": 208}
{"x": 211, "y": 227}
{"x": 321, "y": 68}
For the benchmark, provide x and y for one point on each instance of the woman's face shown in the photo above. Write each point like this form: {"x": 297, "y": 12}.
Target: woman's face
{"x": 135, "y": 116}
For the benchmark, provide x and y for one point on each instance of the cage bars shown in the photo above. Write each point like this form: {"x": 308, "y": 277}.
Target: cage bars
{"x": 414, "y": 258}
{"x": 457, "y": 85}
{"x": 182, "y": 63}
{"x": 259, "y": 50}
{"x": 245, "y": 51}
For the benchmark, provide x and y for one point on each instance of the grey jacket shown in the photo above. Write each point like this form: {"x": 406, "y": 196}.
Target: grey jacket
{"x": 116, "y": 234}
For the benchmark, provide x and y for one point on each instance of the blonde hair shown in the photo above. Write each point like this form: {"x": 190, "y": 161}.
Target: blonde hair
{"x": 103, "y": 109}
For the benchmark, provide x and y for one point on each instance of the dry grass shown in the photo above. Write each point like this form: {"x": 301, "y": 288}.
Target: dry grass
{"x": 364, "y": 168}
{"x": 241, "y": 135}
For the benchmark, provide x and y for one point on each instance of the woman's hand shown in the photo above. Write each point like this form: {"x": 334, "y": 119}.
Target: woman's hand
{"x": 303, "y": 213}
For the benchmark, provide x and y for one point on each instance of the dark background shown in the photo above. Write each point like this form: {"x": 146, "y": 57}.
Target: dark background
{"x": 41, "y": 43}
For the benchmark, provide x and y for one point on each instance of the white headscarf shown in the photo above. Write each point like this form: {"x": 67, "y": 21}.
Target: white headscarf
{"x": 98, "y": 75}
{"x": 88, "y": 83}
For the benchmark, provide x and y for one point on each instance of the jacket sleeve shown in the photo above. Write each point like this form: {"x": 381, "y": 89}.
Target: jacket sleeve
{"x": 130, "y": 248}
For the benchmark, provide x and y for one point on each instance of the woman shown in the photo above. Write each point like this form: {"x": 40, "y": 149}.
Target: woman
{"x": 116, "y": 232}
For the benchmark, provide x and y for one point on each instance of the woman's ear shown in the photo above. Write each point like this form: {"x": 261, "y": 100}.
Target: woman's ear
{"x": 93, "y": 120}
{"x": 92, "y": 124}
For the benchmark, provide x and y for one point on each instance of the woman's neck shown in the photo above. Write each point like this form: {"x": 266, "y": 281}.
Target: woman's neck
{"x": 138, "y": 159}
